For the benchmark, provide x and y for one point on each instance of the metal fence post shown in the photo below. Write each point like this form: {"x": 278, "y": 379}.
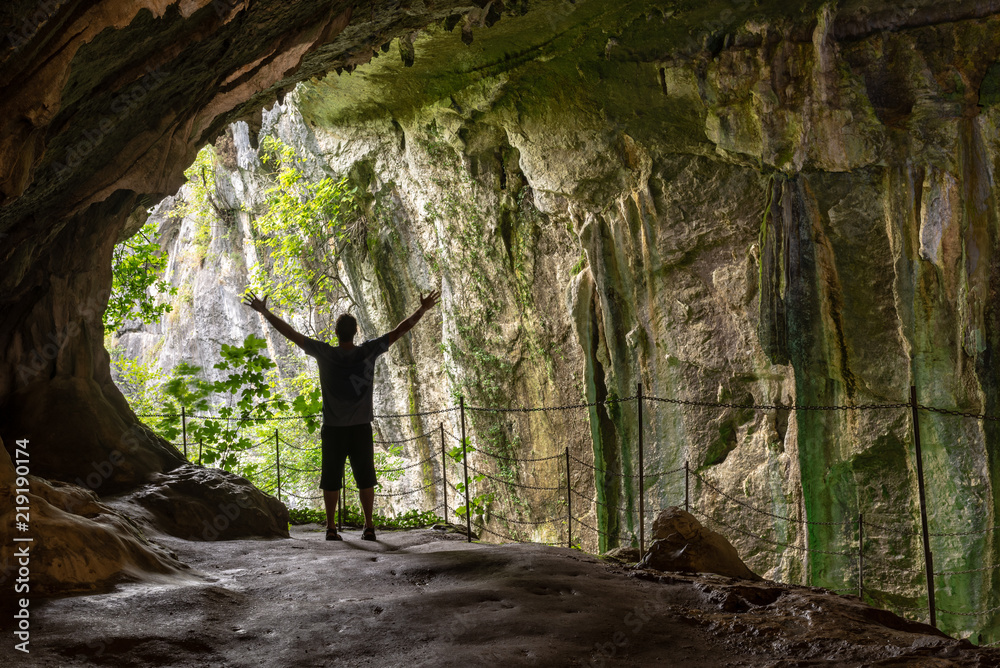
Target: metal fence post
{"x": 184, "y": 432}
{"x": 861, "y": 556}
{"x": 569, "y": 505}
{"x": 465, "y": 464}
{"x": 642, "y": 499}
{"x": 928, "y": 557}
{"x": 277, "y": 462}
{"x": 687, "y": 489}
{"x": 444, "y": 474}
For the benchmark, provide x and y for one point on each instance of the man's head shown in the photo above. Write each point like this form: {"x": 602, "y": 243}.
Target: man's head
{"x": 346, "y": 327}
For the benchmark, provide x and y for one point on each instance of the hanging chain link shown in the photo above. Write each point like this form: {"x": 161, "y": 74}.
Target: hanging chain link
{"x": 764, "y": 512}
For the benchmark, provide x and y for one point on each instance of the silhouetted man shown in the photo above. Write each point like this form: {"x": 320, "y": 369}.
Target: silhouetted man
{"x": 346, "y": 375}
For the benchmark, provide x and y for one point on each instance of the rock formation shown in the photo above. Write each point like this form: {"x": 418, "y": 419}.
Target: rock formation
{"x": 204, "y": 504}
{"x": 681, "y": 543}
{"x": 105, "y": 105}
{"x": 730, "y": 201}
{"x": 76, "y": 542}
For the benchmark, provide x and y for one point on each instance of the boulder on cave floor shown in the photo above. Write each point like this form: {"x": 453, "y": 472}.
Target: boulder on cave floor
{"x": 681, "y": 543}
{"x": 198, "y": 503}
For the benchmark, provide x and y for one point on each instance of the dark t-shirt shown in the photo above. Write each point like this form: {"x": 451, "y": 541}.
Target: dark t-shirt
{"x": 346, "y": 377}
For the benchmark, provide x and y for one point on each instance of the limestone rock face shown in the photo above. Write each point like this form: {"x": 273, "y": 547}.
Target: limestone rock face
{"x": 204, "y": 504}
{"x": 752, "y": 207}
{"x": 681, "y": 543}
{"x": 106, "y": 105}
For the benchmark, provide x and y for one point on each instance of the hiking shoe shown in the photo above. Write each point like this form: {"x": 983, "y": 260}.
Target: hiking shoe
{"x": 331, "y": 534}
{"x": 368, "y": 533}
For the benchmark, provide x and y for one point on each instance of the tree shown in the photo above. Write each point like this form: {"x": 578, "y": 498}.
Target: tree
{"x": 307, "y": 225}
{"x": 137, "y": 267}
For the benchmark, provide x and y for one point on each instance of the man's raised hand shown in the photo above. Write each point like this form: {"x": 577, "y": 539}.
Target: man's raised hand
{"x": 430, "y": 300}
{"x": 259, "y": 305}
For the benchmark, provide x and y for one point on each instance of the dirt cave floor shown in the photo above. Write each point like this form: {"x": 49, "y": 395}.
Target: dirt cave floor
{"x": 429, "y": 598}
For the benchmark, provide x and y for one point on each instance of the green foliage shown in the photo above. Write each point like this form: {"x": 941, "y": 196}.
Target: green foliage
{"x": 306, "y": 516}
{"x": 479, "y": 503}
{"x": 137, "y": 267}
{"x": 412, "y": 519}
{"x": 250, "y": 401}
{"x": 307, "y": 225}
{"x": 141, "y": 383}
{"x": 198, "y": 203}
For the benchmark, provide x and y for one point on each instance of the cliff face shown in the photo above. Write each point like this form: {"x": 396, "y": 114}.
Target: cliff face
{"x": 751, "y": 209}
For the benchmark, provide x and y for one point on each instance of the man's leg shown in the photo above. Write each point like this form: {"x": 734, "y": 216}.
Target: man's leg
{"x": 330, "y": 498}
{"x": 367, "y": 496}
{"x": 363, "y": 464}
{"x": 333, "y": 458}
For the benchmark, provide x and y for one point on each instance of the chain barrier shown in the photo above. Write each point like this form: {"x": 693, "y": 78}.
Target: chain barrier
{"x": 386, "y": 495}
{"x": 897, "y": 530}
{"x": 594, "y": 529}
{"x": 286, "y": 467}
{"x": 515, "y": 484}
{"x": 661, "y": 474}
{"x": 408, "y": 466}
{"x": 890, "y": 530}
{"x": 437, "y": 411}
{"x": 519, "y": 459}
{"x": 893, "y": 570}
{"x": 774, "y": 407}
{"x": 954, "y": 413}
{"x": 971, "y": 570}
{"x": 764, "y": 512}
{"x": 518, "y": 540}
{"x": 978, "y": 613}
{"x": 401, "y": 440}
{"x": 768, "y": 540}
{"x": 975, "y": 532}
{"x": 604, "y": 472}
{"x": 305, "y": 448}
{"x": 545, "y": 409}
{"x": 528, "y": 522}
{"x": 304, "y": 498}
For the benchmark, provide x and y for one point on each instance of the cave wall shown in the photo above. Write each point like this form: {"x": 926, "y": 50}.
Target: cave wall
{"x": 771, "y": 204}
{"x": 794, "y": 209}
{"x": 106, "y": 104}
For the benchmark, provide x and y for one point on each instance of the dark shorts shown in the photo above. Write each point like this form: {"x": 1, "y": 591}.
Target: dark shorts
{"x": 339, "y": 444}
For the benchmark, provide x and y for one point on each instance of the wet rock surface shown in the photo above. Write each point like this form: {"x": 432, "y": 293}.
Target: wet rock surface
{"x": 681, "y": 543}
{"x": 427, "y": 598}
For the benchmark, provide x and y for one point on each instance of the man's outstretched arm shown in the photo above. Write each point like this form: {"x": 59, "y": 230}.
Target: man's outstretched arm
{"x": 425, "y": 305}
{"x": 260, "y": 305}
